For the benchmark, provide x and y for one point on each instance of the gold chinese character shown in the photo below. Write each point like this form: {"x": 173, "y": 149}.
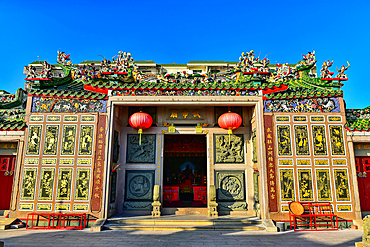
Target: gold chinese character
{"x": 196, "y": 113}
{"x": 100, "y": 136}
{"x": 96, "y": 195}
{"x": 268, "y": 130}
{"x": 272, "y": 190}
{"x": 185, "y": 113}
{"x": 270, "y": 153}
{"x": 5, "y": 146}
{"x": 100, "y": 141}
{"x": 271, "y": 165}
{"x": 98, "y": 181}
{"x": 173, "y": 113}
{"x": 269, "y": 136}
{"x": 269, "y": 141}
{"x": 272, "y": 183}
{"x": 271, "y": 159}
{"x": 12, "y": 146}
{"x": 101, "y": 129}
{"x": 99, "y": 152}
{"x": 272, "y": 176}
{"x": 272, "y": 196}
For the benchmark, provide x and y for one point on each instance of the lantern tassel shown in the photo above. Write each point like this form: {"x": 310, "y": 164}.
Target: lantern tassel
{"x": 140, "y": 132}
{"x": 229, "y": 132}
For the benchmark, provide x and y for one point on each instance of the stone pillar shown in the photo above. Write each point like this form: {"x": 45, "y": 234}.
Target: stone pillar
{"x": 156, "y": 204}
{"x": 354, "y": 178}
{"x": 212, "y": 204}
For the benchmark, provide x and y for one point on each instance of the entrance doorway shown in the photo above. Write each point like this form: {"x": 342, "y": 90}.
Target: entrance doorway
{"x": 185, "y": 171}
{"x": 363, "y": 179}
{"x": 7, "y": 164}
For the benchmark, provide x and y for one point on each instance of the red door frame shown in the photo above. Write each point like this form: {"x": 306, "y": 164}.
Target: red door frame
{"x": 7, "y": 167}
{"x": 363, "y": 179}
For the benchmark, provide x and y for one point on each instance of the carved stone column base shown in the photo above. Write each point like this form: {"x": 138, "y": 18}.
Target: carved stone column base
{"x": 156, "y": 209}
{"x": 212, "y": 209}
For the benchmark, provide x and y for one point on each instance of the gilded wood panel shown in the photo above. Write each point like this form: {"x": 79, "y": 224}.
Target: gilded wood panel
{"x": 82, "y": 184}
{"x": 68, "y": 140}
{"x": 319, "y": 140}
{"x": 323, "y": 185}
{"x": 341, "y": 185}
{"x": 284, "y": 143}
{"x": 86, "y": 139}
{"x": 336, "y": 138}
{"x": 287, "y": 185}
{"x": 28, "y": 184}
{"x": 51, "y": 139}
{"x": 33, "y": 141}
{"x": 301, "y": 140}
{"x": 46, "y": 184}
{"x": 305, "y": 185}
{"x": 64, "y": 184}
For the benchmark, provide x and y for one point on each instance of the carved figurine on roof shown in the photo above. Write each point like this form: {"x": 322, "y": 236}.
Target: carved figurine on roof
{"x": 30, "y": 71}
{"x": 325, "y": 73}
{"x": 63, "y": 58}
{"x": 342, "y": 70}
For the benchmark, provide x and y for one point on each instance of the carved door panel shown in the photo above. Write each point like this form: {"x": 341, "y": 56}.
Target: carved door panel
{"x": 363, "y": 178}
{"x": 7, "y": 164}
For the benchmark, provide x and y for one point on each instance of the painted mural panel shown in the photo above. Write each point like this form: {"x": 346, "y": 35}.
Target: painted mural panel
{"x": 287, "y": 185}
{"x": 82, "y": 184}
{"x": 305, "y": 185}
{"x": 341, "y": 185}
{"x": 51, "y": 139}
{"x": 283, "y": 136}
{"x": 319, "y": 140}
{"x": 323, "y": 185}
{"x": 28, "y": 184}
{"x": 64, "y": 184}
{"x": 336, "y": 138}
{"x": 302, "y": 105}
{"x": 46, "y": 184}
{"x": 86, "y": 140}
{"x": 143, "y": 153}
{"x": 34, "y": 137}
{"x": 229, "y": 151}
{"x": 68, "y": 140}
{"x": 301, "y": 140}
{"x": 53, "y": 104}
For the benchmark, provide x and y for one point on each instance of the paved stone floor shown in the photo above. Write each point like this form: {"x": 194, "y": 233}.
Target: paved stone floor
{"x": 23, "y": 237}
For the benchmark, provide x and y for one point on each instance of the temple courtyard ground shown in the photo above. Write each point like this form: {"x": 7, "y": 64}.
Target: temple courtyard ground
{"x": 23, "y": 237}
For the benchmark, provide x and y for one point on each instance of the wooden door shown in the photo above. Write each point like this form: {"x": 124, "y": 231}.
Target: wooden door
{"x": 7, "y": 165}
{"x": 363, "y": 178}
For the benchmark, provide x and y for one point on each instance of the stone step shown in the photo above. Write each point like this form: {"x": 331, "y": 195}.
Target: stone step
{"x": 159, "y": 222}
{"x": 176, "y": 227}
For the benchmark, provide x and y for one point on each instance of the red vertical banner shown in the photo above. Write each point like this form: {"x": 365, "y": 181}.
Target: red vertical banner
{"x": 270, "y": 162}
{"x": 99, "y": 165}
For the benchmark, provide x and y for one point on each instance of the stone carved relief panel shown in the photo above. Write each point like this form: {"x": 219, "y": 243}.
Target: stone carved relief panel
{"x": 230, "y": 187}
{"x": 229, "y": 151}
{"x": 144, "y": 153}
{"x": 139, "y": 189}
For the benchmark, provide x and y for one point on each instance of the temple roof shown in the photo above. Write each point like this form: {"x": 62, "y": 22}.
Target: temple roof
{"x": 358, "y": 119}
{"x": 12, "y": 111}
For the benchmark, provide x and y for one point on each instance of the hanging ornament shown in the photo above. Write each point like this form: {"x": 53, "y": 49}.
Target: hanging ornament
{"x": 230, "y": 121}
{"x": 140, "y": 120}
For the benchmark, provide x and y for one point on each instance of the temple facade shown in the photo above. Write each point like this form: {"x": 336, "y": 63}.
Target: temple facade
{"x": 140, "y": 138}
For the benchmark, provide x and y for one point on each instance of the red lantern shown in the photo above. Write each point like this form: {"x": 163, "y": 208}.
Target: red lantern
{"x": 140, "y": 120}
{"x": 230, "y": 121}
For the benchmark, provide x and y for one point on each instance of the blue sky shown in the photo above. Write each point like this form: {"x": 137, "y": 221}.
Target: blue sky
{"x": 182, "y": 31}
